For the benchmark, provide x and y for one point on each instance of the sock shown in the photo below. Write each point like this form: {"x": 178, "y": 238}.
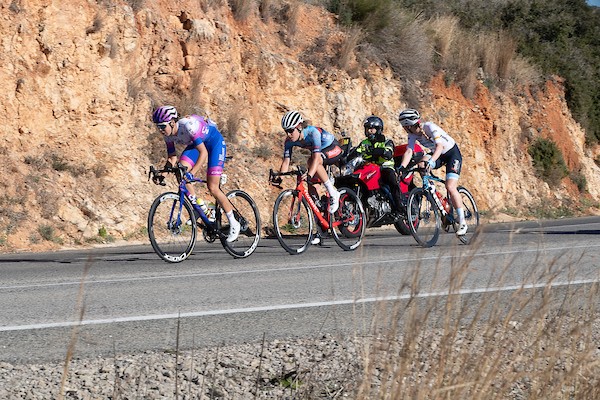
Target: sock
{"x": 461, "y": 216}
{"x": 230, "y": 217}
{"x": 329, "y": 186}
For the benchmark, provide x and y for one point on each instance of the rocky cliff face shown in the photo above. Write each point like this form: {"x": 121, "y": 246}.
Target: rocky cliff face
{"x": 81, "y": 78}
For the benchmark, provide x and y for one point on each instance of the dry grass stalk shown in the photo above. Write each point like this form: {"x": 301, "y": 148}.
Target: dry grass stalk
{"x": 535, "y": 342}
{"x": 241, "y": 9}
{"x": 444, "y": 29}
{"x": 351, "y": 41}
{"x": 80, "y": 308}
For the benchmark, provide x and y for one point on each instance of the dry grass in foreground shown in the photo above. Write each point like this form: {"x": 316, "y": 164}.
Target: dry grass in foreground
{"x": 535, "y": 341}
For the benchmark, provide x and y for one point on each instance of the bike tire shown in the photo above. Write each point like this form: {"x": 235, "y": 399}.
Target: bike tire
{"x": 172, "y": 227}
{"x": 348, "y": 223}
{"x": 471, "y": 216}
{"x": 293, "y": 222}
{"x": 246, "y": 213}
{"x": 402, "y": 227}
{"x": 424, "y": 217}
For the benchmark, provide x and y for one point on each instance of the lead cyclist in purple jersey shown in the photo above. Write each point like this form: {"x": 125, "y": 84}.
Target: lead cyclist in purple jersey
{"x": 203, "y": 142}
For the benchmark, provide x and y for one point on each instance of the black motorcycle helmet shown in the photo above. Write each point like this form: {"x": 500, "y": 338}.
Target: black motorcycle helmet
{"x": 373, "y": 122}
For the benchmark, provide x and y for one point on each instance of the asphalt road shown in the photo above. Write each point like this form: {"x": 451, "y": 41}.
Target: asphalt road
{"x": 125, "y": 299}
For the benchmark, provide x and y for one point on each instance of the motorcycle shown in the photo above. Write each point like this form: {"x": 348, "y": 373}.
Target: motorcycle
{"x": 364, "y": 178}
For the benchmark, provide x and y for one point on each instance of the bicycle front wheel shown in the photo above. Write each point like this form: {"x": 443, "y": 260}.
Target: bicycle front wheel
{"x": 246, "y": 213}
{"x": 423, "y": 217}
{"x": 293, "y": 221}
{"x": 471, "y": 216}
{"x": 349, "y": 222}
{"x": 172, "y": 227}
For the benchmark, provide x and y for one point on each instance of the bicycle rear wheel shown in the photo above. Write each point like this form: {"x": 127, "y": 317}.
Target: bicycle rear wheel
{"x": 172, "y": 227}
{"x": 293, "y": 221}
{"x": 349, "y": 222}
{"x": 246, "y": 213}
{"x": 471, "y": 216}
{"x": 423, "y": 217}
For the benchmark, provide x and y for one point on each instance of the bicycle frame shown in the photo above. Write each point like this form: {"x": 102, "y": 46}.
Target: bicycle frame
{"x": 429, "y": 185}
{"x": 184, "y": 193}
{"x": 302, "y": 188}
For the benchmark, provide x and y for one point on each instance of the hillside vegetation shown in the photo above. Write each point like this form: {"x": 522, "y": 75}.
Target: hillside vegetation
{"x": 83, "y": 80}
{"x": 502, "y": 42}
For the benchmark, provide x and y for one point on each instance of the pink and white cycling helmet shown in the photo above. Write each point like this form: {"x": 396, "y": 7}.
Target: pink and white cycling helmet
{"x": 409, "y": 117}
{"x": 164, "y": 114}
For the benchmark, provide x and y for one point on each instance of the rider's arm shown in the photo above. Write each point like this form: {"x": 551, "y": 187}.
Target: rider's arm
{"x": 386, "y": 151}
{"x": 437, "y": 152}
{"x": 285, "y": 164}
{"x": 172, "y": 159}
{"x": 313, "y": 162}
{"x": 406, "y": 157}
{"x": 171, "y": 153}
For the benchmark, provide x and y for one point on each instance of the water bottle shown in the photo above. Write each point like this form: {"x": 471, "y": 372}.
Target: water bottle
{"x": 444, "y": 202}
{"x": 203, "y": 206}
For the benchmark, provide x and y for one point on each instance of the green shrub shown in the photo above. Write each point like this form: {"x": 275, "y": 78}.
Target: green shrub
{"x": 262, "y": 151}
{"x": 548, "y": 161}
{"x": 579, "y": 179}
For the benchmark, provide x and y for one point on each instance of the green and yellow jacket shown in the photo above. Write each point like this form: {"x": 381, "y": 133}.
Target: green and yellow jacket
{"x": 379, "y": 151}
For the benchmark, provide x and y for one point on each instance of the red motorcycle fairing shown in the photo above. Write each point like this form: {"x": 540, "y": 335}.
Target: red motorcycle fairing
{"x": 369, "y": 174}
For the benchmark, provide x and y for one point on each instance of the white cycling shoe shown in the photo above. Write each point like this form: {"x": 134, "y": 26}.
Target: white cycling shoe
{"x": 234, "y": 231}
{"x": 334, "y": 202}
{"x": 316, "y": 240}
{"x": 462, "y": 230}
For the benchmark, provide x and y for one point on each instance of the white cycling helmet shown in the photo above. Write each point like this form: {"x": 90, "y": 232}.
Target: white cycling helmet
{"x": 409, "y": 117}
{"x": 291, "y": 119}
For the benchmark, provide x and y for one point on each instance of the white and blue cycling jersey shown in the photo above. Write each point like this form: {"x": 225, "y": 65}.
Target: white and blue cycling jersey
{"x": 194, "y": 130}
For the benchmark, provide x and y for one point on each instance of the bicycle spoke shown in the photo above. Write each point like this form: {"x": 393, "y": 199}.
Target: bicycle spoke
{"x": 423, "y": 217}
{"x": 348, "y": 222}
{"x": 171, "y": 228}
{"x": 293, "y": 222}
{"x": 471, "y": 215}
{"x": 246, "y": 213}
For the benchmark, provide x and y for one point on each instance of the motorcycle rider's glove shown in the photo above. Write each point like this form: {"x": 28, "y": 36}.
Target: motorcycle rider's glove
{"x": 188, "y": 176}
{"x": 431, "y": 163}
{"x": 378, "y": 152}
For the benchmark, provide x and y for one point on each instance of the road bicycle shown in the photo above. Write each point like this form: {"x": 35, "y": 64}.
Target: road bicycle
{"x": 173, "y": 220}
{"x": 430, "y": 211}
{"x": 299, "y": 212}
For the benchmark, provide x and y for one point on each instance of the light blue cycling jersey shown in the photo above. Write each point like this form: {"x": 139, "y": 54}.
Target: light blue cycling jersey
{"x": 313, "y": 138}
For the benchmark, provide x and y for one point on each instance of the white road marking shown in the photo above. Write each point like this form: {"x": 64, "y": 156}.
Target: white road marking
{"x": 287, "y": 306}
{"x": 295, "y": 267}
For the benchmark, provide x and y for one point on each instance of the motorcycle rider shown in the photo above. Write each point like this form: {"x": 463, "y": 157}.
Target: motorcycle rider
{"x": 377, "y": 149}
{"x": 444, "y": 150}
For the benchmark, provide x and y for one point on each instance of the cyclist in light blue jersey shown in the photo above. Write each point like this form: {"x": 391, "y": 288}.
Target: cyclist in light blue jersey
{"x": 325, "y": 150}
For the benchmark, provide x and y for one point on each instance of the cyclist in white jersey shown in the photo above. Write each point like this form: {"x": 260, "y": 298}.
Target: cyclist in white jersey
{"x": 444, "y": 151}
